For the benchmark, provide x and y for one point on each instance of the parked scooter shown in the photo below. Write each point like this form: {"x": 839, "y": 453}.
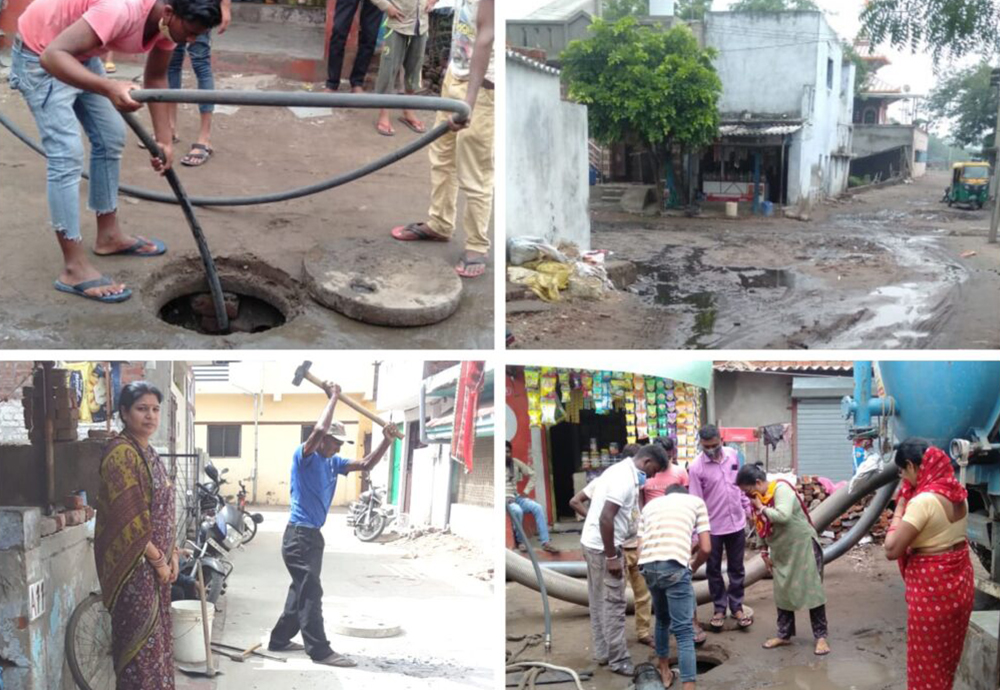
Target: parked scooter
{"x": 215, "y": 566}
{"x": 250, "y": 520}
{"x": 369, "y": 515}
{"x": 237, "y": 522}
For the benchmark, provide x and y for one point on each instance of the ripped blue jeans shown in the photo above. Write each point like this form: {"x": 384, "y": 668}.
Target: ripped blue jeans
{"x": 59, "y": 110}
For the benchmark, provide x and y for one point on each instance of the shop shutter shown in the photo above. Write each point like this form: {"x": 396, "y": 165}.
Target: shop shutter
{"x": 822, "y": 444}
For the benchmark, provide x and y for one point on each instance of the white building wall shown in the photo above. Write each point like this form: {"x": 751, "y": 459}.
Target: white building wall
{"x": 547, "y": 161}
{"x": 776, "y": 64}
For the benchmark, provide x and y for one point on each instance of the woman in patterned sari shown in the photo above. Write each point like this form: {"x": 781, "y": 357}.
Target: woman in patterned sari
{"x": 792, "y": 554}
{"x": 928, "y": 538}
{"x": 134, "y": 545}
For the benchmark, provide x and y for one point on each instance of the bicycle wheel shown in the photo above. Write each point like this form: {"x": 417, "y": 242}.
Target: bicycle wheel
{"x": 88, "y": 645}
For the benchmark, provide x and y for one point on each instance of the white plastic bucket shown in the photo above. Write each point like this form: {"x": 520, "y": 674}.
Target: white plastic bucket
{"x": 189, "y": 635}
{"x": 732, "y": 209}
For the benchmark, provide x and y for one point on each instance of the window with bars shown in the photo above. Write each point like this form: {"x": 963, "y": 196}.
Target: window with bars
{"x": 224, "y": 440}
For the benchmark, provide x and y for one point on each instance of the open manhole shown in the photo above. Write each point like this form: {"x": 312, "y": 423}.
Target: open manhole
{"x": 382, "y": 281}
{"x": 258, "y": 297}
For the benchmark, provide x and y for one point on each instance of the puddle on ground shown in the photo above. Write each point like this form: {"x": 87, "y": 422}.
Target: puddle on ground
{"x": 703, "y": 291}
{"x": 827, "y": 675}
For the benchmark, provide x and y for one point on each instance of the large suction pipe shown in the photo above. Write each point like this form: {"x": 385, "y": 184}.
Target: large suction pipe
{"x": 574, "y": 591}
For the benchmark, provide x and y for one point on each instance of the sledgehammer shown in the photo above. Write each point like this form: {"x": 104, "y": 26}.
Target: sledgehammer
{"x": 303, "y": 373}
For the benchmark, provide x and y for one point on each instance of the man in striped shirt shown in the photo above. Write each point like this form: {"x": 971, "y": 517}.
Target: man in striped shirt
{"x": 667, "y": 527}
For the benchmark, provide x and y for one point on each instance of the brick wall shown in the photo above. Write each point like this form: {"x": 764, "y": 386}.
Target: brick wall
{"x": 476, "y": 487}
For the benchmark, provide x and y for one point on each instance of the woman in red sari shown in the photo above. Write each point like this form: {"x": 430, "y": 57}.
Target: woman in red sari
{"x": 928, "y": 538}
{"x": 134, "y": 545}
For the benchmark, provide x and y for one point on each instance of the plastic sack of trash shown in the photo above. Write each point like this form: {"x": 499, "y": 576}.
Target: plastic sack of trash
{"x": 872, "y": 464}
{"x": 523, "y": 250}
{"x": 546, "y": 281}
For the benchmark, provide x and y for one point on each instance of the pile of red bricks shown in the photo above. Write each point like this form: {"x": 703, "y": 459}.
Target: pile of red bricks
{"x": 813, "y": 494}
{"x": 60, "y": 398}
{"x": 76, "y": 513}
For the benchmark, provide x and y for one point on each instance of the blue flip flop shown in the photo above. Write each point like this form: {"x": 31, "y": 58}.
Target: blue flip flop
{"x": 161, "y": 249}
{"x": 80, "y": 288}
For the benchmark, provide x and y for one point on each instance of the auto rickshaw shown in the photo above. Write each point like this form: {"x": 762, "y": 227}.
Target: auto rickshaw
{"x": 970, "y": 184}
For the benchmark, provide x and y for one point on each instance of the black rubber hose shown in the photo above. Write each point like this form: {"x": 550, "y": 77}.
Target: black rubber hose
{"x": 538, "y": 575}
{"x": 285, "y": 98}
{"x": 214, "y": 285}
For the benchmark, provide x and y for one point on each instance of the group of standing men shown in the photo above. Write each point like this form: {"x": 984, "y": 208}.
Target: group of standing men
{"x": 651, "y": 521}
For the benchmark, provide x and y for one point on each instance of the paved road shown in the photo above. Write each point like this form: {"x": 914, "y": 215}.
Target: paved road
{"x": 450, "y": 622}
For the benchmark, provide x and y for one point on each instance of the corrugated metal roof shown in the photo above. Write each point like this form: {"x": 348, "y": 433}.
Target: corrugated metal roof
{"x": 559, "y": 10}
{"x": 757, "y": 129}
{"x": 783, "y": 366}
{"x": 534, "y": 64}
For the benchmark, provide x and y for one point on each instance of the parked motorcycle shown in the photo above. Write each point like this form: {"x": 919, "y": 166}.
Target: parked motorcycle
{"x": 216, "y": 568}
{"x": 370, "y": 515}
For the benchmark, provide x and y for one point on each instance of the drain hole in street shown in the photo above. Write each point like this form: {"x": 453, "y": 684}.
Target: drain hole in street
{"x": 707, "y": 663}
{"x": 247, "y": 314}
{"x": 363, "y": 287}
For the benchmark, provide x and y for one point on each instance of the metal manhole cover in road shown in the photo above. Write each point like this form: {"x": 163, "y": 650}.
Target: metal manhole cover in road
{"x": 365, "y": 626}
{"x": 382, "y": 281}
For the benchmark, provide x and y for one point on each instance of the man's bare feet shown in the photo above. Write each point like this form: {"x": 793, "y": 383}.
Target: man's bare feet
{"x": 775, "y": 642}
{"x": 666, "y": 674}
{"x": 384, "y": 126}
{"x": 822, "y": 648}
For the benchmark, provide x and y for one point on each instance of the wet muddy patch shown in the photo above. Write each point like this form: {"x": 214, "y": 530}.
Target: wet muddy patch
{"x": 258, "y": 297}
{"x": 712, "y": 296}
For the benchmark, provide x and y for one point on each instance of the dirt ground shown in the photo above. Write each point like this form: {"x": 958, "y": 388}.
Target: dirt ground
{"x": 866, "y": 613}
{"x": 888, "y": 268}
{"x": 257, "y": 150}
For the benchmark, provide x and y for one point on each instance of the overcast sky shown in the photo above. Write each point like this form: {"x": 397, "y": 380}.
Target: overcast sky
{"x": 906, "y": 69}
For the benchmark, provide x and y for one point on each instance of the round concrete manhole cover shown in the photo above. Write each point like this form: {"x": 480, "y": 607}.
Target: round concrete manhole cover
{"x": 364, "y": 626}
{"x": 382, "y": 281}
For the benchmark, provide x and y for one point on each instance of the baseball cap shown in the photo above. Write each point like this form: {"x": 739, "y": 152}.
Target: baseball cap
{"x": 338, "y": 432}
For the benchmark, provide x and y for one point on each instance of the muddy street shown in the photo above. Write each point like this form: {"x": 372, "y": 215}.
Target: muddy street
{"x": 887, "y": 268}
{"x": 260, "y": 250}
{"x": 867, "y": 615}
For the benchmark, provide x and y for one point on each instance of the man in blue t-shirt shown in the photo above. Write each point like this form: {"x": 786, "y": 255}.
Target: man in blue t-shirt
{"x": 315, "y": 469}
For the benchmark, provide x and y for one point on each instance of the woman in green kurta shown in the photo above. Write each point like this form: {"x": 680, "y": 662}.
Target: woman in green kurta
{"x": 792, "y": 554}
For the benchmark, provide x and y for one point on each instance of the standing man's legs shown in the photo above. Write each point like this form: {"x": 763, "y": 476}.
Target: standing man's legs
{"x": 716, "y": 585}
{"x": 371, "y": 20}
{"x": 596, "y": 569}
{"x": 619, "y": 660}
{"x": 413, "y": 65}
{"x": 735, "y": 569}
{"x": 389, "y": 66}
{"x": 201, "y": 62}
{"x": 680, "y": 595}
{"x": 302, "y": 552}
{"x": 643, "y": 599}
{"x": 475, "y": 178}
{"x": 343, "y": 17}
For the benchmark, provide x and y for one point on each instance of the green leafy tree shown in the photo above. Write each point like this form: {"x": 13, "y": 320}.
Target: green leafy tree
{"x": 692, "y": 10}
{"x": 645, "y": 86}
{"x": 613, "y": 10}
{"x": 968, "y": 100}
{"x": 950, "y": 28}
{"x": 772, "y": 5}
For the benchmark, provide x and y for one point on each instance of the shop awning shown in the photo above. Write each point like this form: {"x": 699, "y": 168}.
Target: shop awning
{"x": 758, "y": 129}
{"x": 696, "y": 373}
{"x": 440, "y": 428}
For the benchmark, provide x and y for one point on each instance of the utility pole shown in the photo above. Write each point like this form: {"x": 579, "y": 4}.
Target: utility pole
{"x": 995, "y": 217}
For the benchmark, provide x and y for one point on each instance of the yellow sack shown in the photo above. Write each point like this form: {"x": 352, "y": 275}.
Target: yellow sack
{"x": 544, "y": 278}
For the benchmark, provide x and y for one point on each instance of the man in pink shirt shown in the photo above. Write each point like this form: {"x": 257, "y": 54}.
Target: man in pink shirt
{"x": 658, "y": 484}
{"x": 712, "y": 478}
{"x": 57, "y": 67}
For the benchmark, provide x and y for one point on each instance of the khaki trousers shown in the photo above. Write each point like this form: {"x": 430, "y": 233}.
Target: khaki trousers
{"x": 643, "y": 599}
{"x": 464, "y": 160}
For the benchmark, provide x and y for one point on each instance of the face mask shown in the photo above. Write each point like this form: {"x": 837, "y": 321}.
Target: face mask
{"x": 642, "y": 477}
{"x": 165, "y": 30}
{"x": 713, "y": 452}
